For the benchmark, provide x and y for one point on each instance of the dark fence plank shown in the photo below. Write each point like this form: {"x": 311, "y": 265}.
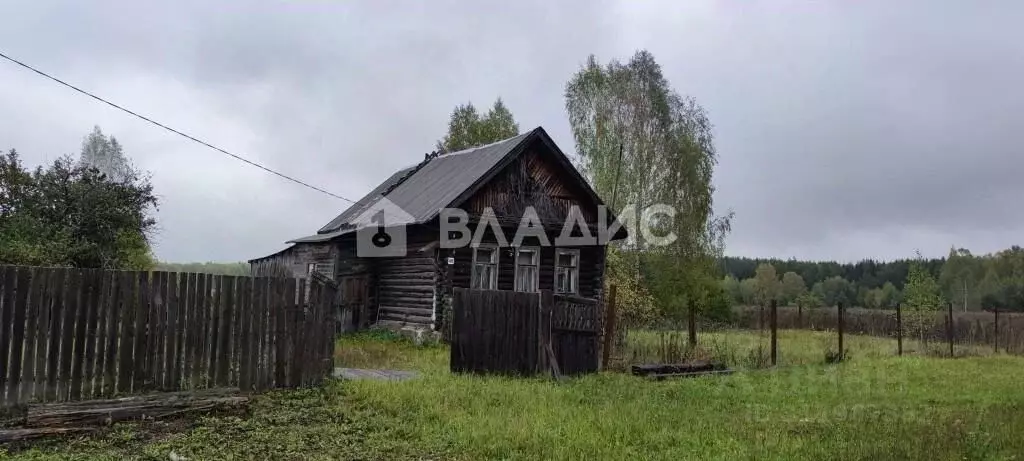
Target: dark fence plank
{"x": 7, "y": 274}
{"x": 20, "y": 308}
{"x": 295, "y": 323}
{"x": 286, "y": 301}
{"x": 213, "y": 345}
{"x": 82, "y": 333}
{"x": 196, "y": 325}
{"x": 72, "y": 303}
{"x": 245, "y": 336}
{"x": 104, "y": 315}
{"x": 38, "y": 301}
{"x": 239, "y": 312}
{"x": 125, "y": 368}
{"x": 190, "y": 324}
{"x": 141, "y": 378}
{"x": 158, "y": 325}
{"x": 59, "y": 290}
{"x": 171, "y": 338}
{"x": 224, "y": 361}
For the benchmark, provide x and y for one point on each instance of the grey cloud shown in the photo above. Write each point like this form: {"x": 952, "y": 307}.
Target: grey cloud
{"x": 845, "y": 130}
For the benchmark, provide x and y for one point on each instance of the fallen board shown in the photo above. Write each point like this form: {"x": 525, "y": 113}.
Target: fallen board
{"x": 676, "y": 368}
{"x": 73, "y": 417}
{"x": 690, "y": 374}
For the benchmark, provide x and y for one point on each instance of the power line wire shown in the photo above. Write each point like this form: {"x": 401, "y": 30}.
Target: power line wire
{"x": 161, "y": 125}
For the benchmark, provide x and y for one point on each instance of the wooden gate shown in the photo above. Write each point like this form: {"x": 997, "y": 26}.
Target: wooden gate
{"x": 355, "y": 299}
{"x": 508, "y": 332}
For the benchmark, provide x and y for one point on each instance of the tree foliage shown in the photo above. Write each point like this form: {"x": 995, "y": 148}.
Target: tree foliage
{"x": 641, "y": 143}
{"x": 72, "y": 214}
{"x": 793, "y": 287}
{"x": 468, "y": 129}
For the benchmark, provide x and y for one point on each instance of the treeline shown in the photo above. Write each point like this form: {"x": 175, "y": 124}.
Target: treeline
{"x": 237, "y": 268}
{"x": 970, "y": 282}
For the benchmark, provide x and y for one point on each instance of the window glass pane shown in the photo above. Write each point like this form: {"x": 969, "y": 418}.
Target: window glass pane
{"x": 484, "y": 255}
{"x": 526, "y": 278}
{"x": 528, "y": 257}
{"x": 567, "y": 260}
{"x": 489, "y": 277}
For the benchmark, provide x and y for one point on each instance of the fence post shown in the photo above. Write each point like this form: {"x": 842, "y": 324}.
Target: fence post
{"x": 995, "y": 336}
{"x": 800, "y": 315}
{"x": 949, "y": 327}
{"x": 775, "y": 330}
{"x": 840, "y": 324}
{"x": 609, "y": 327}
{"x": 692, "y": 327}
{"x": 899, "y": 330}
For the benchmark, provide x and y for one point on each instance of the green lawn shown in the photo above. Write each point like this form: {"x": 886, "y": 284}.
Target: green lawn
{"x": 873, "y": 407}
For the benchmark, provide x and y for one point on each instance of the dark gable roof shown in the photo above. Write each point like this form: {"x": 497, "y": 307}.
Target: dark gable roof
{"x": 447, "y": 180}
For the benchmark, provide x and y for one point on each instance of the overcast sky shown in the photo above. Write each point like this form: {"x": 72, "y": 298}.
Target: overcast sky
{"x": 846, "y": 130}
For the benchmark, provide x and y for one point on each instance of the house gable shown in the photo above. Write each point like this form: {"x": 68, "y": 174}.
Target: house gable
{"x": 535, "y": 179}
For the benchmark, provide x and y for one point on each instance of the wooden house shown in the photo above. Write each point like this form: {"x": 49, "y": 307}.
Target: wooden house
{"x": 507, "y": 178}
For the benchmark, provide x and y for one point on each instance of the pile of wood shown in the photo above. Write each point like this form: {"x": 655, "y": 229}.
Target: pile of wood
{"x": 681, "y": 370}
{"x": 33, "y": 421}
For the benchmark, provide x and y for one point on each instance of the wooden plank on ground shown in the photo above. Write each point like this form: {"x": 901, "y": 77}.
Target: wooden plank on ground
{"x": 20, "y": 310}
{"x": 37, "y": 302}
{"x": 72, "y": 303}
{"x": 126, "y": 335}
{"x": 57, "y": 308}
{"x": 174, "y": 330}
{"x": 141, "y": 380}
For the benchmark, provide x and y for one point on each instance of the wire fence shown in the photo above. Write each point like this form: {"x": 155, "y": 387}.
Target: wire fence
{"x": 766, "y": 336}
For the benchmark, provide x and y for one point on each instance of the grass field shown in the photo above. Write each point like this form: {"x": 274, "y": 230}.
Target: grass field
{"x": 873, "y": 407}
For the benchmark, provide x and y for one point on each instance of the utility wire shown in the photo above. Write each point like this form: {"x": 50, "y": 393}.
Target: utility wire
{"x": 172, "y": 130}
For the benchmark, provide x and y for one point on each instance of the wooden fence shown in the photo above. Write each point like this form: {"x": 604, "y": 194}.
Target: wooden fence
{"x": 76, "y": 334}
{"x": 508, "y": 332}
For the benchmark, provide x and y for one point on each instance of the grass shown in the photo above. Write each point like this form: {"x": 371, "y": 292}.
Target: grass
{"x": 872, "y": 407}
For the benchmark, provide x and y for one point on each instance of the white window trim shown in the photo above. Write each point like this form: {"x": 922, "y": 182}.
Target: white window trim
{"x": 536, "y": 273}
{"x": 575, "y": 274}
{"x": 497, "y": 266}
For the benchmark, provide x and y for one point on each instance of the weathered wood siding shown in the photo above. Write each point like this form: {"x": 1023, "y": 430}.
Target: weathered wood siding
{"x": 296, "y": 259}
{"x": 531, "y": 180}
{"x": 406, "y": 287}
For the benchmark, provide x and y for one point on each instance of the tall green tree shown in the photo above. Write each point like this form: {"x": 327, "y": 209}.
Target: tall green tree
{"x": 767, "y": 284}
{"x": 959, "y": 278}
{"x": 468, "y": 129}
{"x": 792, "y": 287}
{"x": 921, "y": 297}
{"x": 642, "y": 143}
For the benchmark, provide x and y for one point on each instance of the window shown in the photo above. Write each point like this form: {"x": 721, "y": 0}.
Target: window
{"x": 310, "y": 269}
{"x": 485, "y": 268}
{"x": 527, "y": 275}
{"x": 567, "y": 271}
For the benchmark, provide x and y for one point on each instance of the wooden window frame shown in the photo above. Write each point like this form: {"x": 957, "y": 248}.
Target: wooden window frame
{"x": 494, "y": 274}
{"x": 535, "y": 265}
{"x": 575, "y": 272}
